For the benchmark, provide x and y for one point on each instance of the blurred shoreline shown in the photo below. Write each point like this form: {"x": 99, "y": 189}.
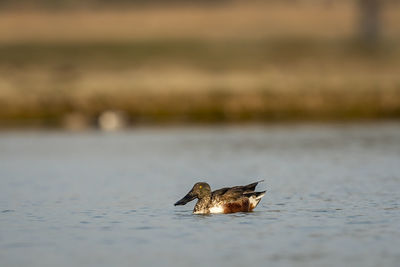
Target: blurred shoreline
{"x": 234, "y": 63}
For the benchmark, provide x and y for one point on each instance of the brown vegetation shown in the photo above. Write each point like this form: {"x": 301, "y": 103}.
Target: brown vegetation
{"x": 230, "y": 63}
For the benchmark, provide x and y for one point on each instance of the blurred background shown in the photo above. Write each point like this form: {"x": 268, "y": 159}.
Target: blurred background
{"x": 113, "y": 64}
{"x": 309, "y": 92}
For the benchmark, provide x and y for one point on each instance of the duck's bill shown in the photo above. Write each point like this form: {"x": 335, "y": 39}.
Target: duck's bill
{"x": 189, "y": 197}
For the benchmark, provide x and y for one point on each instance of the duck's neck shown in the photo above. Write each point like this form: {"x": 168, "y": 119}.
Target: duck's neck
{"x": 202, "y": 205}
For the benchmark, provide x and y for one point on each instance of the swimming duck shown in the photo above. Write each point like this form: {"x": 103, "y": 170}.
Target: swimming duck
{"x": 224, "y": 200}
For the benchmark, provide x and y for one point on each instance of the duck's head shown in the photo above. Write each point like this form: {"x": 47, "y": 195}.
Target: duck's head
{"x": 199, "y": 191}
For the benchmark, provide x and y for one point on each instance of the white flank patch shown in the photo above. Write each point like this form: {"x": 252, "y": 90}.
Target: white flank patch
{"x": 216, "y": 209}
{"x": 199, "y": 212}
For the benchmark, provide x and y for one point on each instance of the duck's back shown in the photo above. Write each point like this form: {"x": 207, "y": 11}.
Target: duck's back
{"x": 235, "y": 199}
{"x": 235, "y": 191}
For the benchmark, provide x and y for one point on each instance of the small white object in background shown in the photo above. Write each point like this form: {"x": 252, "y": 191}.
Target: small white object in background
{"x": 112, "y": 120}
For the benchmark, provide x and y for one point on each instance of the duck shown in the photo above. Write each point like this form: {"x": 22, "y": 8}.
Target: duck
{"x": 224, "y": 200}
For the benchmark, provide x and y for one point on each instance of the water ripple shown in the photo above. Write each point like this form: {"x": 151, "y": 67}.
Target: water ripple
{"x": 7, "y": 211}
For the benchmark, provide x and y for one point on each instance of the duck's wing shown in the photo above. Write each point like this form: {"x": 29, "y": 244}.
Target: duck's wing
{"x": 235, "y": 192}
{"x": 220, "y": 192}
{"x": 250, "y": 187}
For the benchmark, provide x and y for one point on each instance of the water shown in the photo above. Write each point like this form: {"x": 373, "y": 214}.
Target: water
{"x": 101, "y": 199}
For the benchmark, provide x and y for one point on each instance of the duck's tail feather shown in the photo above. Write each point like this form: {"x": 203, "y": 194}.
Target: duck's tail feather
{"x": 256, "y": 195}
{"x": 255, "y": 198}
{"x": 251, "y": 187}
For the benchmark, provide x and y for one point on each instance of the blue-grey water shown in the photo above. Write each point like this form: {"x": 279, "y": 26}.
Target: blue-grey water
{"x": 106, "y": 199}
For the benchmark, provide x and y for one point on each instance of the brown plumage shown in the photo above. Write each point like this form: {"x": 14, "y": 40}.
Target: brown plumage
{"x": 224, "y": 200}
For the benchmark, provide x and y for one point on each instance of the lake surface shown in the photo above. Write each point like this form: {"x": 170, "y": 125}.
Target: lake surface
{"x": 106, "y": 199}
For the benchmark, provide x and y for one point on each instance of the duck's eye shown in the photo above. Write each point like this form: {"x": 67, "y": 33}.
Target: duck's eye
{"x": 200, "y": 186}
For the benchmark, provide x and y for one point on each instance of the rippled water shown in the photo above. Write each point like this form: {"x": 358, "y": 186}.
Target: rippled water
{"x": 107, "y": 199}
